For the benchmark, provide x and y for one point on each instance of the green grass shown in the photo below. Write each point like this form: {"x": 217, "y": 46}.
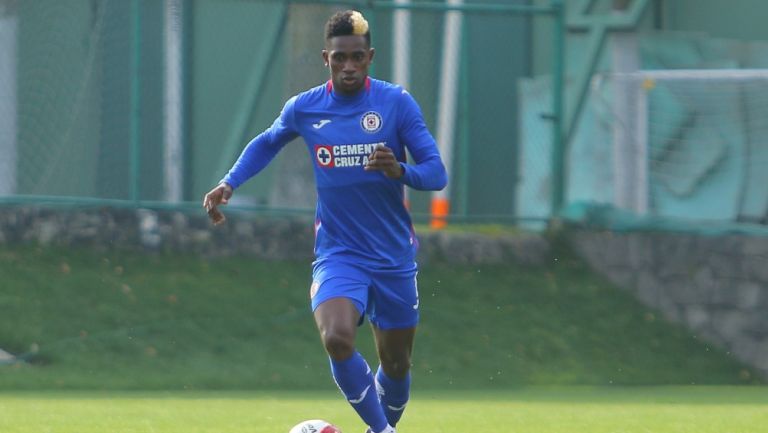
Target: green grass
{"x": 119, "y": 320}
{"x": 699, "y": 409}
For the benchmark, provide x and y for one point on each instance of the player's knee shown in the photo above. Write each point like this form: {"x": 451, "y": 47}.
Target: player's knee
{"x": 396, "y": 368}
{"x": 340, "y": 345}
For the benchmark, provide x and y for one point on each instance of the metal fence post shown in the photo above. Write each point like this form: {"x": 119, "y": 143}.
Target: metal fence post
{"x": 135, "y": 103}
{"x": 558, "y": 90}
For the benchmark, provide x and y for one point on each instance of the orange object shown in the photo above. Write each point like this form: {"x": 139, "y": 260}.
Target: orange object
{"x": 439, "y": 212}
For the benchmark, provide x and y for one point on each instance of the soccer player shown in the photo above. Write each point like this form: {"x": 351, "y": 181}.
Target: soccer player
{"x": 357, "y": 130}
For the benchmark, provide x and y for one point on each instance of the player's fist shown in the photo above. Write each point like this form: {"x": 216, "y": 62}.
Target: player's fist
{"x": 383, "y": 159}
{"x": 219, "y": 195}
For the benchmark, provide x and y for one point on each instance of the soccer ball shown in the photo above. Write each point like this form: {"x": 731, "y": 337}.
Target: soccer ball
{"x": 315, "y": 426}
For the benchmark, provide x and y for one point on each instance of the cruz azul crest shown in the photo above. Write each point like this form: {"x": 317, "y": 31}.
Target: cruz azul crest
{"x": 371, "y": 122}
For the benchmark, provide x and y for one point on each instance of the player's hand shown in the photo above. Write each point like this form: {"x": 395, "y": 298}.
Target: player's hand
{"x": 220, "y": 195}
{"x": 383, "y": 159}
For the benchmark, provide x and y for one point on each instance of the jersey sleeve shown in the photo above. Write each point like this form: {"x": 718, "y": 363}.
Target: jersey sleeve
{"x": 428, "y": 172}
{"x": 263, "y": 148}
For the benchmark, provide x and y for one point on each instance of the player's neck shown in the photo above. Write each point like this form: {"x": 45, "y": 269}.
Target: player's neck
{"x": 349, "y": 96}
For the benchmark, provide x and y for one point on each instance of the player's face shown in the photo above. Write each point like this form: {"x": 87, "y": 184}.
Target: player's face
{"x": 348, "y": 58}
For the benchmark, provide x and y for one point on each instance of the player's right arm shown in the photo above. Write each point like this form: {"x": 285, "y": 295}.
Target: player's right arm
{"x": 256, "y": 155}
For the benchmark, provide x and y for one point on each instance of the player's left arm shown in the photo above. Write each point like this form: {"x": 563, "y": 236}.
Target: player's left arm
{"x": 427, "y": 173}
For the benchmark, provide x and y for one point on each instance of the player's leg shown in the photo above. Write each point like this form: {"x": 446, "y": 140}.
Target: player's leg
{"x": 337, "y": 321}
{"x": 339, "y": 297}
{"x": 393, "y": 378}
{"x": 394, "y": 316}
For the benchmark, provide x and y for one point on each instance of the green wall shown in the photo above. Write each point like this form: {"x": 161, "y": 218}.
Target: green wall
{"x": 230, "y": 42}
{"x": 499, "y": 54}
{"x": 740, "y": 19}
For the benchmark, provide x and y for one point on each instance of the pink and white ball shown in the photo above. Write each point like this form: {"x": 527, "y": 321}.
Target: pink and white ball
{"x": 315, "y": 426}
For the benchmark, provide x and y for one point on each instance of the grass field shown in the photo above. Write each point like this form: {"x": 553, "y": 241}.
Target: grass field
{"x": 122, "y": 342}
{"x": 112, "y": 320}
{"x": 699, "y": 409}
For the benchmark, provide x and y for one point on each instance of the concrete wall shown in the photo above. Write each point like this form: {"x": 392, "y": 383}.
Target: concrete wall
{"x": 717, "y": 286}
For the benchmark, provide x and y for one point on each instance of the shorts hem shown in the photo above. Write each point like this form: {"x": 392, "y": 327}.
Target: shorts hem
{"x": 356, "y": 302}
{"x": 392, "y": 326}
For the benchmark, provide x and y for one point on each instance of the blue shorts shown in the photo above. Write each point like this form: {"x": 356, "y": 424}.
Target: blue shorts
{"x": 390, "y": 298}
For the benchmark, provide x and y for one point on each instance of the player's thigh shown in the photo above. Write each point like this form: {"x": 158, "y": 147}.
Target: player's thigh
{"x": 336, "y": 320}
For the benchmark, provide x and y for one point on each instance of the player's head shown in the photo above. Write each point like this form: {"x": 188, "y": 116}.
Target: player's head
{"x": 348, "y": 53}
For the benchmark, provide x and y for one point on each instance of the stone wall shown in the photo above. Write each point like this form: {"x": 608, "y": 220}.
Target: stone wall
{"x": 155, "y": 231}
{"x": 270, "y": 238}
{"x": 716, "y": 286}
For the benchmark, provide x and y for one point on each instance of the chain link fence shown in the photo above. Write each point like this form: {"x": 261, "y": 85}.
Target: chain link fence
{"x": 148, "y": 103}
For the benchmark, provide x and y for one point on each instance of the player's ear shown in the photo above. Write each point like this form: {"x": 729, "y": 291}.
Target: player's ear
{"x": 325, "y": 57}
{"x": 371, "y": 52}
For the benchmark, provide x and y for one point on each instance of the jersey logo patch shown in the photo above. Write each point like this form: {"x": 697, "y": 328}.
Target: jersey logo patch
{"x": 321, "y": 123}
{"x": 371, "y": 122}
{"x": 324, "y": 156}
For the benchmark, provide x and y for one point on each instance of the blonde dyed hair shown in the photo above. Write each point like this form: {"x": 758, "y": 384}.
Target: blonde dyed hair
{"x": 345, "y": 23}
{"x": 359, "y": 23}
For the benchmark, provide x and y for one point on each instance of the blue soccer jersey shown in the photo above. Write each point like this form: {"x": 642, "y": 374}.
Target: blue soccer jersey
{"x": 360, "y": 216}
